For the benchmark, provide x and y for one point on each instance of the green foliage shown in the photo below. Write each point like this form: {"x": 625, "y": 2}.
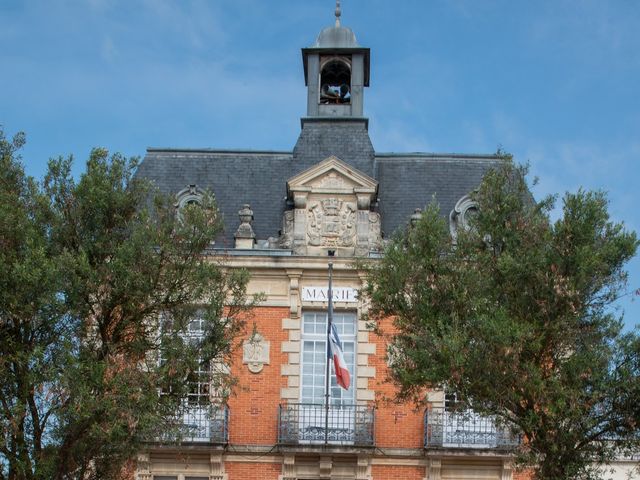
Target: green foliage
{"x": 516, "y": 315}
{"x": 99, "y": 279}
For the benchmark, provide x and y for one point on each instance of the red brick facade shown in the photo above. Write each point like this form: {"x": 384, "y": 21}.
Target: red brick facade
{"x": 253, "y": 407}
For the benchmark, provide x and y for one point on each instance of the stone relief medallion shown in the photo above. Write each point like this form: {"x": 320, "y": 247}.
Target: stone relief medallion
{"x": 255, "y": 353}
{"x": 332, "y": 223}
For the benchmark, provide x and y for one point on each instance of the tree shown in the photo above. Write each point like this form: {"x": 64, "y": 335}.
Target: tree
{"x": 99, "y": 280}
{"x": 516, "y": 316}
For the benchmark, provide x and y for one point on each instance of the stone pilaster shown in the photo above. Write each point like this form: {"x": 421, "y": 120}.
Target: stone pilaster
{"x": 300, "y": 223}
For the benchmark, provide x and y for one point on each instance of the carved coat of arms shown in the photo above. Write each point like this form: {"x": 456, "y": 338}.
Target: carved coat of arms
{"x": 332, "y": 223}
{"x": 255, "y": 352}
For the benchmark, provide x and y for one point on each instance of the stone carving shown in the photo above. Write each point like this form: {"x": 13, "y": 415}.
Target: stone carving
{"x": 286, "y": 237}
{"x": 331, "y": 223}
{"x": 460, "y": 216}
{"x": 244, "y": 235}
{"x": 332, "y": 210}
{"x": 217, "y": 467}
{"x": 255, "y": 352}
{"x": 375, "y": 233}
{"x": 415, "y": 217}
{"x": 189, "y": 195}
{"x": 289, "y": 467}
{"x": 332, "y": 180}
{"x": 363, "y": 468}
{"x": 143, "y": 467}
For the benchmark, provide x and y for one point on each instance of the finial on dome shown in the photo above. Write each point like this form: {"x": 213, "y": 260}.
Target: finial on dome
{"x": 338, "y": 13}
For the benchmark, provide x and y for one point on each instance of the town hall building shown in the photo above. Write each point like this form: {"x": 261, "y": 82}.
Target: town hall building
{"x": 287, "y": 215}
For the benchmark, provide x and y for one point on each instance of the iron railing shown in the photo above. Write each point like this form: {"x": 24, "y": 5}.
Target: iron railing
{"x": 198, "y": 424}
{"x": 445, "y": 428}
{"x": 308, "y": 423}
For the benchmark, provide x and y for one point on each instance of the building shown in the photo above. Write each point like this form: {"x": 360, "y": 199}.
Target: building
{"x": 284, "y": 212}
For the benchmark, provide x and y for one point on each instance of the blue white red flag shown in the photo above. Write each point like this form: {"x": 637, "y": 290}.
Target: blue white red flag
{"x": 340, "y": 366}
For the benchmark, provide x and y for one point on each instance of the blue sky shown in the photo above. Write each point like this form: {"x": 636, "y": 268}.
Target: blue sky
{"x": 554, "y": 82}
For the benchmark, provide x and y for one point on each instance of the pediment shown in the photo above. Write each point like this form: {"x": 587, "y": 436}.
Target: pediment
{"x": 332, "y": 176}
{"x": 332, "y": 211}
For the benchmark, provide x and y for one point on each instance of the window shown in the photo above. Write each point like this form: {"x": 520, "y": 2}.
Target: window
{"x": 314, "y": 357}
{"x": 191, "y": 195}
{"x": 335, "y": 81}
{"x": 461, "y": 217}
{"x": 198, "y": 419}
{"x": 200, "y": 381}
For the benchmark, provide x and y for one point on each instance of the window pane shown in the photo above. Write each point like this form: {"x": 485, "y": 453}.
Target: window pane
{"x": 314, "y": 357}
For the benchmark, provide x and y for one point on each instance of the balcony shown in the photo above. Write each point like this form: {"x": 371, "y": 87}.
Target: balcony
{"x": 307, "y": 423}
{"x": 465, "y": 429}
{"x": 208, "y": 424}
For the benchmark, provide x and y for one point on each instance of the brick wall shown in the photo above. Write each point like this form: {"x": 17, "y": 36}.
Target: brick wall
{"x": 397, "y": 424}
{"x": 523, "y": 475}
{"x": 397, "y": 472}
{"x": 254, "y": 405}
{"x": 253, "y": 471}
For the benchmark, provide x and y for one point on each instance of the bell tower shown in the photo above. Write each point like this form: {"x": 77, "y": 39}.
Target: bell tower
{"x": 336, "y": 70}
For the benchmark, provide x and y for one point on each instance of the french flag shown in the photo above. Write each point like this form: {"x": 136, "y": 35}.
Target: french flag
{"x": 335, "y": 351}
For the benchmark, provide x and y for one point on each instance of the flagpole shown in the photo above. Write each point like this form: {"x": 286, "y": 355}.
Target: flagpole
{"x": 328, "y": 369}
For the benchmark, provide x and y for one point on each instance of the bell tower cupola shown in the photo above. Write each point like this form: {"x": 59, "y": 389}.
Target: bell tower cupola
{"x": 336, "y": 70}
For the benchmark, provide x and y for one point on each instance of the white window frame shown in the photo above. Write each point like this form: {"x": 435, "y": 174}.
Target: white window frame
{"x": 313, "y": 361}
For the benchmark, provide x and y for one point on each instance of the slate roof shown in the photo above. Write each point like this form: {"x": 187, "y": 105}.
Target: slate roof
{"x": 234, "y": 177}
{"x": 410, "y": 181}
{"x": 406, "y": 181}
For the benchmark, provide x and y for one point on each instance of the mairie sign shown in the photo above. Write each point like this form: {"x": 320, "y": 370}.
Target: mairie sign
{"x": 321, "y": 294}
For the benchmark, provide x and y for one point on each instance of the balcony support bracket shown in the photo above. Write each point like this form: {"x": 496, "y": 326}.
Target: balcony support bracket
{"x": 326, "y": 465}
{"x": 434, "y": 468}
{"x": 217, "y": 467}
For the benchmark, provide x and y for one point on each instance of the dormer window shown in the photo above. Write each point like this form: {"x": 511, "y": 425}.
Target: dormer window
{"x": 335, "y": 81}
{"x": 461, "y": 216}
{"x": 192, "y": 195}
{"x": 189, "y": 197}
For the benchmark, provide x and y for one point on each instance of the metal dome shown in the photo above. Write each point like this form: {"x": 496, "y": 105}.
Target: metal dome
{"x": 336, "y": 37}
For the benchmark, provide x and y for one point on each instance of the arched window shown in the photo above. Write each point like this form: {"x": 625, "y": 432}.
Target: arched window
{"x": 460, "y": 216}
{"x": 335, "y": 81}
{"x": 191, "y": 195}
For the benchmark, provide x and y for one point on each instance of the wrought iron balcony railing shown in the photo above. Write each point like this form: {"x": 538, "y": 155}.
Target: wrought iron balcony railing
{"x": 198, "y": 424}
{"x": 307, "y": 423}
{"x": 465, "y": 429}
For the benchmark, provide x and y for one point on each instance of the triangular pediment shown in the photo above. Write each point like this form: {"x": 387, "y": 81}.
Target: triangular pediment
{"x": 332, "y": 175}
